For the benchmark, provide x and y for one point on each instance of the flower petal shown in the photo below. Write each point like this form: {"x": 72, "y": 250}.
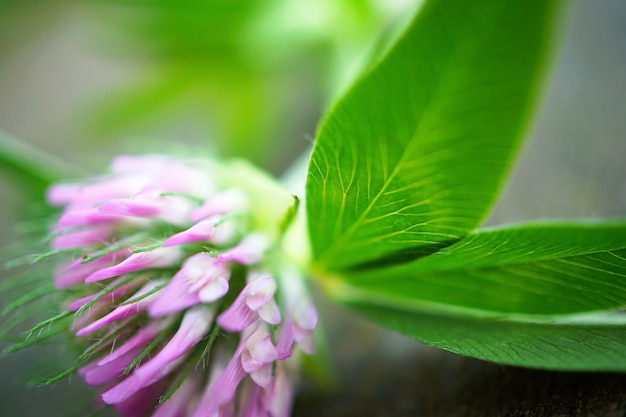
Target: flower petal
{"x": 261, "y": 350}
{"x": 238, "y": 316}
{"x": 96, "y": 374}
{"x": 183, "y": 291}
{"x": 214, "y": 230}
{"x": 193, "y": 328}
{"x": 279, "y": 396}
{"x": 214, "y": 290}
{"x": 250, "y": 251}
{"x": 306, "y": 317}
{"x": 157, "y": 258}
{"x": 262, "y": 376}
{"x": 168, "y": 208}
{"x": 221, "y": 389}
{"x": 270, "y": 312}
{"x": 285, "y": 341}
{"x": 260, "y": 291}
{"x": 76, "y": 305}
{"x": 230, "y": 201}
{"x": 140, "y": 403}
{"x": 181, "y": 401}
{"x": 140, "y": 339}
{"x": 80, "y": 238}
{"x": 85, "y": 217}
{"x": 123, "y": 311}
{"x": 62, "y": 194}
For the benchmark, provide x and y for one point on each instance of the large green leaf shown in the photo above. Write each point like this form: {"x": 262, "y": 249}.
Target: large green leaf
{"x": 585, "y": 343}
{"x": 525, "y": 270}
{"x": 411, "y": 158}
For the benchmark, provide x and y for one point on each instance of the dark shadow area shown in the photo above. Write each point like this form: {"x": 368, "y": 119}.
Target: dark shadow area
{"x": 436, "y": 384}
{"x": 379, "y": 373}
{"x": 402, "y": 256}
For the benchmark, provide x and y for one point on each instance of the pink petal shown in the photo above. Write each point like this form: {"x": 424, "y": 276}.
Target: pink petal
{"x": 262, "y": 376}
{"x": 279, "y": 397}
{"x": 248, "y": 252}
{"x": 85, "y": 217}
{"x": 220, "y": 363}
{"x": 76, "y": 272}
{"x": 179, "y": 177}
{"x": 95, "y": 374}
{"x": 285, "y": 341}
{"x": 140, "y": 339}
{"x": 198, "y": 232}
{"x": 174, "y": 297}
{"x": 306, "y": 317}
{"x": 291, "y": 332}
{"x": 200, "y": 269}
{"x": 130, "y": 206}
{"x": 306, "y": 341}
{"x": 260, "y": 291}
{"x": 133, "y": 383}
{"x": 140, "y": 403}
{"x": 197, "y": 273}
{"x": 214, "y": 290}
{"x": 221, "y": 390}
{"x": 250, "y": 400}
{"x": 214, "y": 230}
{"x": 65, "y": 277}
{"x": 227, "y": 410}
{"x": 237, "y": 319}
{"x": 258, "y": 354}
{"x": 181, "y": 401}
{"x": 229, "y": 201}
{"x": 157, "y": 258}
{"x": 76, "y": 305}
{"x": 238, "y": 316}
{"x": 305, "y": 321}
{"x": 255, "y": 298}
{"x": 80, "y": 238}
{"x": 106, "y": 189}
{"x": 62, "y": 194}
{"x": 124, "y": 311}
{"x": 99, "y": 262}
{"x": 149, "y": 205}
{"x": 193, "y": 328}
{"x": 270, "y": 312}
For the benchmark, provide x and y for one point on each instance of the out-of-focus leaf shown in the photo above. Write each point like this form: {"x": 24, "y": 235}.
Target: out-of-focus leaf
{"x": 412, "y": 157}
{"x": 136, "y": 104}
{"x": 252, "y": 75}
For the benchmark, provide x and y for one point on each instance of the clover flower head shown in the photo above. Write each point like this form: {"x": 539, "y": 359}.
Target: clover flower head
{"x": 169, "y": 256}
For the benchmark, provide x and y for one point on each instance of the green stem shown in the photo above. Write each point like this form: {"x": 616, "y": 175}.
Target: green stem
{"x": 32, "y": 168}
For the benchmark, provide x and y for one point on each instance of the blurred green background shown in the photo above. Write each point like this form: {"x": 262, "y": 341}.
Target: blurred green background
{"x": 85, "y": 79}
{"x": 247, "y": 78}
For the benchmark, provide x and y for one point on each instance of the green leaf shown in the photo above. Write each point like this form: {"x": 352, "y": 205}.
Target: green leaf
{"x": 411, "y": 158}
{"x": 525, "y": 243}
{"x": 523, "y": 270}
{"x": 593, "y": 343}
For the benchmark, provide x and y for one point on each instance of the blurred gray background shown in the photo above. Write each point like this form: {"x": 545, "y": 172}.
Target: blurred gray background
{"x": 64, "y": 66}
